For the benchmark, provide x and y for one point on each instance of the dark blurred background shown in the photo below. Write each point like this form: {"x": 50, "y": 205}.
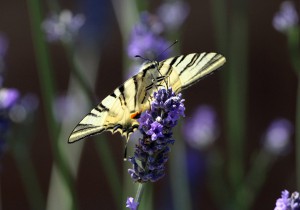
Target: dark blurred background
{"x": 271, "y": 93}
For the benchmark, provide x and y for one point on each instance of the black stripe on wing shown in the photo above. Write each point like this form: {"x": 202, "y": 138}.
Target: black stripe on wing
{"x": 121, "y": 89}
{"x": 81, "y": 131}
{"x": 191, "y": 63}
{"x": 211, "y": 62}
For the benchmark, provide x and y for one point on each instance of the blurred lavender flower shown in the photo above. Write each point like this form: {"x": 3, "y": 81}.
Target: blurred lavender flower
{"x": 173, "y": 14}
{"x": 277, "y": 137}
{"x": 25, "y": 106}
{"x": 63, "y": 27}
{"x": 288, "y": 203}
{"x": 8, "y": 98}
{"x": 131, "y": 204}
{"x": 147, "y": 44}
{"x": 64, "y": 107}
{"x": 145, "y": 39}
{"x": 151, "y": 152}
{"x": 201, "y": 130}
{"x": 286, "y": 18}
{"x": 151, "y": 22}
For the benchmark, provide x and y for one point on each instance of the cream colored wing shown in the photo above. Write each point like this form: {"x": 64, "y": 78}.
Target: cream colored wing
{"x": 111, "y": 114}
{"x": 189, "y": 68}
{"x": 118, "y": 111}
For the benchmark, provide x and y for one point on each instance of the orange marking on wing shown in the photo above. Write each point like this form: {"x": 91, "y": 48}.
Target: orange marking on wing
{"x": 135, "y": 115}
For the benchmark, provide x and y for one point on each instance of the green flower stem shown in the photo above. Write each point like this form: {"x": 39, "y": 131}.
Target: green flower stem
{"x": 47, "y": 86}
{"x": 293, "y": 36}
{"x": 234, "y": 81}
{"x": 142, "y": 5}
{"x": 231, "y": 37}
{"x": 236, "y": 92}
{"x": 43, "y": 62}
{"x": 254, "y": 179}
{"x": 216, "y": 180}
{"x": 297, "y": 133}
{"x": 139, "y": 193}
{"x": 78, "y": 74}
{"x": 126, "y": 12}
{"x": 147, "y": 203}
{"x": 29, "y": 177}
{"x": 20, "y": 147}
{"x": 220, "y": 19}
{"x": 178, "y": 173}
{"x": 146, "y": 192}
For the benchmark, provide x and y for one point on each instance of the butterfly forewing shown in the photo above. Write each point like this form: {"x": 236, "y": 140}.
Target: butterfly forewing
{"x": 191, "y": 68}
{"x": 115, "y": 112}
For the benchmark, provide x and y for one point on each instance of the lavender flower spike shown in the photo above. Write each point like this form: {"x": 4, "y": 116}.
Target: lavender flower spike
{"x": 146, "y": 44}
{"x": 8, "y": 97}
{"x": 151, "y": 152}
{"x": 145, "y": 40}
{"x": 173, "y": 14}
{"x": 131, "y": 204}
{"x": 277, "y": 137}
{"x": 288, "y": 203}
{"x": 201, "y": 130}
{"x": 286, "y": 18}
{"x": 63, "y": 27}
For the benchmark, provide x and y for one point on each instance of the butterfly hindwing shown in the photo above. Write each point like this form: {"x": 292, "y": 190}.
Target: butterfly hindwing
{"x": 116, "y": 113}
{"x": 95, "y": 121}
{"x": 113, "y": 113}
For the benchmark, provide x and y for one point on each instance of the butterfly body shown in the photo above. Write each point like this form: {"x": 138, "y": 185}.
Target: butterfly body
{"x": 119, "y": 111}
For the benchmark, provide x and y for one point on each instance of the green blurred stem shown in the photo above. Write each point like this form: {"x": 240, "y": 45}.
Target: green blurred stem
{"x": 293, "y": 45}
{"x": 44, "y": 68}
{"x": 47, "y": 86}
{"x": 142, "y": 5}
{"x": 254, "y": 179}
{"x": 236, "y": 93}
{"x": 178, "y": 173}
{"x": 297, "y": 133}
{"x": 220, "y": 25}
{"x": 216, "y": 180}
{"x": 29, "y": 177}
{"x": 87, "y": 89}
{"x": 20, "y": 145}
{"x": 294, "y": 51}
{"x": 231, "y": 37}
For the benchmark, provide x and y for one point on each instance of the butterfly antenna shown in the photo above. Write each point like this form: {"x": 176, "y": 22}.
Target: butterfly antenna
{"x": 175, "y": 42}
{"x": 145, "y": 59}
